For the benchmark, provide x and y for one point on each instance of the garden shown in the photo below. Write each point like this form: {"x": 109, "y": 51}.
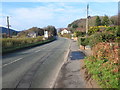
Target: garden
{"x": 103, "y": 64}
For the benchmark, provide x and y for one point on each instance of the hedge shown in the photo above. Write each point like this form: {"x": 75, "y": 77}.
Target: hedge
{"x": 11, "y": 44}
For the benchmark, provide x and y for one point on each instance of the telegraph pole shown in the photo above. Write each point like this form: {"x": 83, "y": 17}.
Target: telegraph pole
{"x": 8, "y": 26}
{"x": 87, "y": 20}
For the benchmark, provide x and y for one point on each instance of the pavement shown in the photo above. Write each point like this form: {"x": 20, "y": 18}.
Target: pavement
{"x": 35, "y": 67}
{"x": 70, "y": 76}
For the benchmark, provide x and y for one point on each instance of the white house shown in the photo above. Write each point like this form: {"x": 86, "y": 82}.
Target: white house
{"x": 65, "y": 30}
{"x": 32, "y": 34}
{"x": 46, "y": 34}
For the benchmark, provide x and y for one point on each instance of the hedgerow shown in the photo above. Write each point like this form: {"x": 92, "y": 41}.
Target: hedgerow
{"x": 11, "y": 44}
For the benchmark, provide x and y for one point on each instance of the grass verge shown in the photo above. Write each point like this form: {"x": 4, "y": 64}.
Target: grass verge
{"x": 103, "y": 72}
{"x": 11, "y": 49}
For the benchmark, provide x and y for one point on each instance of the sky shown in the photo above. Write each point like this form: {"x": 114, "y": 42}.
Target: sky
{"x": 24, "y": 15}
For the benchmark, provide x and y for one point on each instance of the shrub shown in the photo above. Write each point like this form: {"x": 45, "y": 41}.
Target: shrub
{"x": 118, "y": 31}
{"x": 84, "y": 41}
{"x": 94, "y": 39}
{"x": 14, "y": 42}
{"x": 101, "y": 37}
{"x": 92, "y": 30}
{"x": 78, "y": 34}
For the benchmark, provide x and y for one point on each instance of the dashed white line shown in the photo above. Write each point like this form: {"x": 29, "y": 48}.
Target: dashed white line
{"x": 37, "y": 50}
{"x": 12, "y": 62}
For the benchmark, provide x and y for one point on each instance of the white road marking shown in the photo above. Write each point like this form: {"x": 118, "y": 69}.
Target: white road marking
{"x": 12, "y": 62}
{"x": 37, "y": 50}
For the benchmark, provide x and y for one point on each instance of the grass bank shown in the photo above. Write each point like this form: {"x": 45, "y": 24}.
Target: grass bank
{"x": 103, "y": 65}
{"x": 12, "y": 44}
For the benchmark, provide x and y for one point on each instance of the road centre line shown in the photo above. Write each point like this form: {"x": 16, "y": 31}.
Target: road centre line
{"x": 12, "y": 62}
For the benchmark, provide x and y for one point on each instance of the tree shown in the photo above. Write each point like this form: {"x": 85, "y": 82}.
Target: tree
{"x": 114, "y": 20}
{"x": 97, "y": 21}
{"x": 74, "y": 26}
{"x": 14, "y": 33}
{"x": 105, "y": 21}
{"x": 52, "y": 31}
{"x": 78, "y": 33}
{"x": 40, "y": 31}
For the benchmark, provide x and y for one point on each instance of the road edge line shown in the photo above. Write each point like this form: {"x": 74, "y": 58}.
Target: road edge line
{"x": 65, "y": 60}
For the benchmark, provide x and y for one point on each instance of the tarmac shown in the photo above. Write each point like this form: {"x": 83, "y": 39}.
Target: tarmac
{"x": 70, "y": 76}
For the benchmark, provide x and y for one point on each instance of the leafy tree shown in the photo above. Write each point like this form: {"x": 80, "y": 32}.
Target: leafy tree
{"x": 114, "y": 20}
{"x": 74, "y": 26}
{"x": 14, "y": 33}
{"x": 78, "y": 33}
{"x": 84, "y": 41}
{"x": 98, "y": 21}
{"x": 69, "y": 25}
{"x": 52, "y": 31}
{"x": 105, "y": 21}
{"x": 40, "y": 31}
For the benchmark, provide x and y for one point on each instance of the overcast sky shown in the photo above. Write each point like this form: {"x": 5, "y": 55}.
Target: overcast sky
{"x": 24, "y": 15}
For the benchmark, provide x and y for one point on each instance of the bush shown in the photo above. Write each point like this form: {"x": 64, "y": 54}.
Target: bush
{"x": 94, "y": 39}
{"x": 15, "y": 42}
{"x": 118, "y": 32}
{"x": 78, "y": 34}
{"x": 101, "y": 37}
{"x": 12, "y": 44}
{"x": 84, "y": 41}
{"x": 92, "y": 30}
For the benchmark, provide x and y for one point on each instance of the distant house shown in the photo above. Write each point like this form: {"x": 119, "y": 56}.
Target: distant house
{"x": 65, "y": 31}
{"x": 32, "y": 34}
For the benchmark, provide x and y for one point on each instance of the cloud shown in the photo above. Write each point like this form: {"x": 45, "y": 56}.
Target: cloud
{"x": 58, "y": 14}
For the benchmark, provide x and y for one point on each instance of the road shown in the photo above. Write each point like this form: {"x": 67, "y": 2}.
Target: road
{"x": 35, "y": 67}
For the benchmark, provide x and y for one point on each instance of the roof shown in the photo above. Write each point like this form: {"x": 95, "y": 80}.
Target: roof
{"x": 64, "y": 29}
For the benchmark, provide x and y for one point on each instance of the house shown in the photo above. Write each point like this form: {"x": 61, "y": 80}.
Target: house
{"x": 65, "y": 31}
{"x": 32, "y": 34}
{"x": 45, "y": 34}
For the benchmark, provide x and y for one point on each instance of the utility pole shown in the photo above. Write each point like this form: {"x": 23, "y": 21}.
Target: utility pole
{"x": 8, "y": 26}
{"x": 87, "y": 20}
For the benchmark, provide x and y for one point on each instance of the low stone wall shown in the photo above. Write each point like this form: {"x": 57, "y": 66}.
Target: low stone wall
{"x": 87, "y": 51}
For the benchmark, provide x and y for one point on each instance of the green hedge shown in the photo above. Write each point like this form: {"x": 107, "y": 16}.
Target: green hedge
{"x": 11, "y": 44}
{"x": 96, "y": 38}
{"x": 83, "y": 41}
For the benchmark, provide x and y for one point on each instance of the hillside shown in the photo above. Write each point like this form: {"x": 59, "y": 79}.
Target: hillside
{"x": 4, "y": 30}
{"x": 80, "y": 24}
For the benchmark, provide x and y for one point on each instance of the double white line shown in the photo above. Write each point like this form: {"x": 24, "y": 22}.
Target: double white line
{"x": 12, "y": 62}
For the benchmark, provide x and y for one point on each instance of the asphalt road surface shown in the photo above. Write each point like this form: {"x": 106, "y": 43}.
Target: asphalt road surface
{"x": 36, "y": 67}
